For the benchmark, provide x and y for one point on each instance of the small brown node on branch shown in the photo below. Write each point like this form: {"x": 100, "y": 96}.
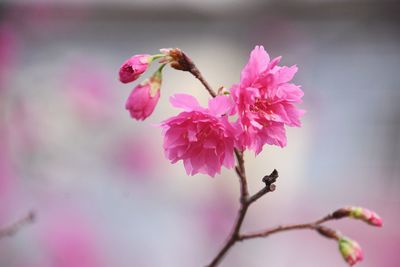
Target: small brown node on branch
{"x": 269, "y": 180}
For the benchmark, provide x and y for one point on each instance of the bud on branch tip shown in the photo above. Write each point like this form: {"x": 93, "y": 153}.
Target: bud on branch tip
{"x": 366, "y": 215}
{"x": 350, "y": 250}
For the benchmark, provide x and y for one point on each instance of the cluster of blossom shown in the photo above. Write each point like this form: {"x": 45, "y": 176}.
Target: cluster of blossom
{"x": 249, "y": 115}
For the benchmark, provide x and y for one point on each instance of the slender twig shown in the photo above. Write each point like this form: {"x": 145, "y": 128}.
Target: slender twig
{"x": 245, "y": 202}
{"x": 16, "y": 226}
{"x": 244, "y": 205}
{"x": 196, "y": 73}
{"x": 269, "y": 181}
{"x": 264, "y": 233}
{"x": 180, "y": 61}
{"x": 241, "y": 172}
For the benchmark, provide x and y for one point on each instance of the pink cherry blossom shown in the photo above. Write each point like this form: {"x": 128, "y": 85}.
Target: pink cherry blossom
{"x": 144, "y": 97}
{"x": 132, "y": 68}
{"x": 266, "y": 101}
{"x": 201, "y": 137}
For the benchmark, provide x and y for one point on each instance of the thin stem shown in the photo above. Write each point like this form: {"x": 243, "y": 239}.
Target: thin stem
{"x": 16, "y": 226}
{"x": 196, "y": 73}
{"x": 241, "y": 172}
{"x": 244, "y": 205}
{"x": 281, "y": 228}
{"x": 260, "y": 193}
{"x": 269, "y": 181}
{"x": 185, "y": 63}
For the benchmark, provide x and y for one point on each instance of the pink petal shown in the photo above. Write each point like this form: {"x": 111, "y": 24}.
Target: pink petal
{"x": 184, "y": 101}
{"x": 220, "y": 105}
{"x": 257, "y": 63}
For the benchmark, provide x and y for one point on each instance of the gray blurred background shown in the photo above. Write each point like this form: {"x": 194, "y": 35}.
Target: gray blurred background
{"x": 98, "y": 181}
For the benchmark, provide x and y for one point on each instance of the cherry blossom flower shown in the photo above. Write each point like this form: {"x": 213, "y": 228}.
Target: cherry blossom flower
{"x": 266, "y": 101}
{"x": 201, "y": 137}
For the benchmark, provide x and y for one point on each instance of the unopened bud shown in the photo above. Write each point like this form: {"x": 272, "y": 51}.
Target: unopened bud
{"x": 359, "y": 213}
{"x": 350, "y": 250}
{"x": 144, "y": 97}
{"x": 132, "y": 68}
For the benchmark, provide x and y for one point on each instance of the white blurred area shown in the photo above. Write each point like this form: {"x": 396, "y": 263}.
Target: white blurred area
{"x": 89, "y": 159}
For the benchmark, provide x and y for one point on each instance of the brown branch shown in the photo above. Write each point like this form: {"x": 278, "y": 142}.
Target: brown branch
{"x": 269, "y": 181}
{"x": 313, "y": 226}
{"x": 192, "y": 68}
{"x": 16, "y": 226}
{"x": 196, "y": 73}
{"x": 241, "y": 172}
{"x": 181, "y": 61}
{"x": 244, "y": 205}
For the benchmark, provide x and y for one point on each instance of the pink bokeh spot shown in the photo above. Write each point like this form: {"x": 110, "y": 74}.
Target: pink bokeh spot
{"x": 89, "y": 91}
{"x": 71, "y": 242}
{"x": 136, "y": 154}
{"x": 9, "y": 48}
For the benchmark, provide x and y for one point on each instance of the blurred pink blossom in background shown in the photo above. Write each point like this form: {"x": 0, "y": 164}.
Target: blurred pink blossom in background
{"x": 70, "y": 241}
{"x": 89, "y": 91}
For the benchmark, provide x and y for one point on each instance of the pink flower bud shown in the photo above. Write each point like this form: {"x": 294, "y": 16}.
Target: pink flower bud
{"x": 350, "y": 250}
{"x": 144, "y": 97}
{"x": 134, "y": 67}
{"x": 359, "y": 213}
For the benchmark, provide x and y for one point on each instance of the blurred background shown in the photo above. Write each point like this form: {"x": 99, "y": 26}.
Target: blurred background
{"x": 98, "y": 181}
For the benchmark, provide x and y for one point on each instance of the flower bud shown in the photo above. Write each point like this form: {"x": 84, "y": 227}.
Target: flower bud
{"x": 132, "y": 68}
{"x": 359, "y": 213}
{"x": 350, "y": 250}
{"x": 144, "y": 97}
